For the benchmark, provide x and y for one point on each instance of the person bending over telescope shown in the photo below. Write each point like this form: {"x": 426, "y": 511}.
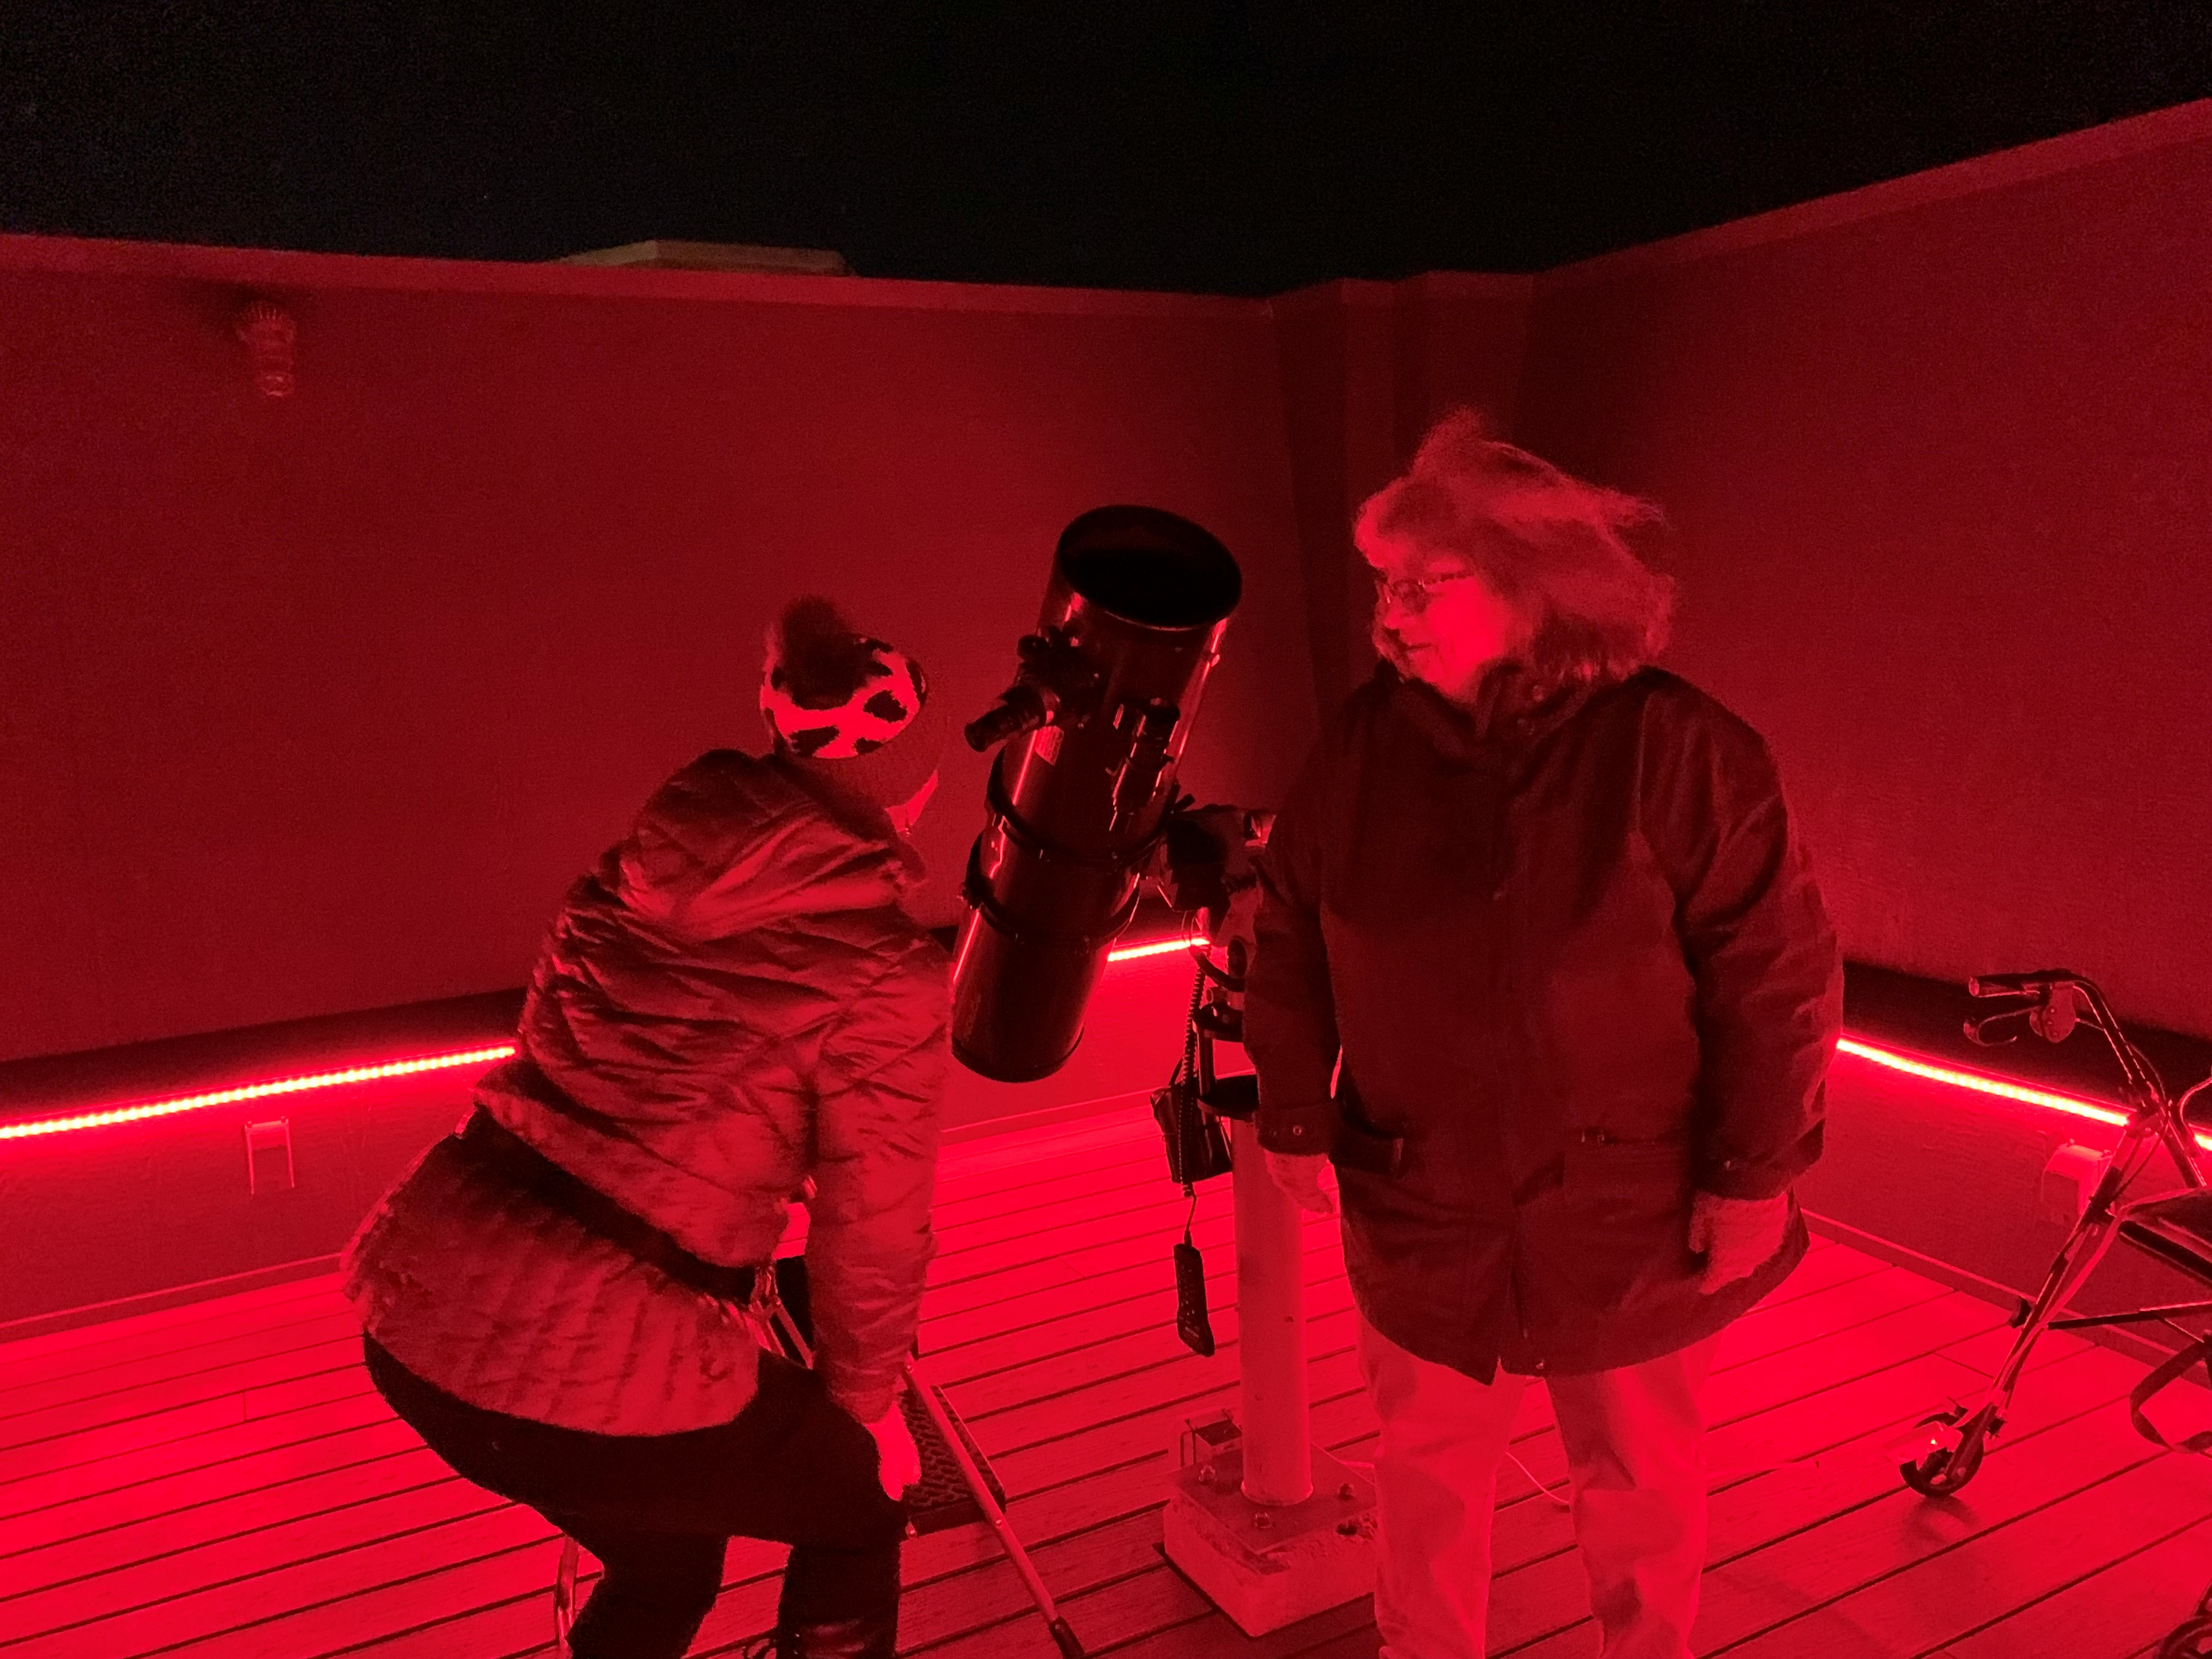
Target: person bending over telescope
{"x": 731, "y": 1005}
{"x": 1544, "y": 903}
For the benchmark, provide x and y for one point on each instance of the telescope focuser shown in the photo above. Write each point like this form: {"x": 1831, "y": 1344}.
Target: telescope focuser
{"x": 1056, "y": 685}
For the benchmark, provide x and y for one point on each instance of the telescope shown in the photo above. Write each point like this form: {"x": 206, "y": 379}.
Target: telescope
{"x": 1083, "y": 811}
{"x": 1081, "y": 791}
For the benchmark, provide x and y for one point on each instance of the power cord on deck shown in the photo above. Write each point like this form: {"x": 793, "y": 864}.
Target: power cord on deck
{"x": 1713, "y": 1477}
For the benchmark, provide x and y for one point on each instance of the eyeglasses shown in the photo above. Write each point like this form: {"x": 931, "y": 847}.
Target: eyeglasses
{"x": 1414, "y": 596}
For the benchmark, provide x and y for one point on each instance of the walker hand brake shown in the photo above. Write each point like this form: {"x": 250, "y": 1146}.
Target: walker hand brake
{"x": 1991, "y": 1029}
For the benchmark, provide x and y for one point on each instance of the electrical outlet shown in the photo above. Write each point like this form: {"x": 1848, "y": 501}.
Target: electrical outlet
{"x": 269, "y": 1156}
{"x": 2069, "y": 1179}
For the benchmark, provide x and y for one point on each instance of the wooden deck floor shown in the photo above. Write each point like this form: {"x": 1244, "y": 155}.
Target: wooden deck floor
{"x": 218, "y": 1480}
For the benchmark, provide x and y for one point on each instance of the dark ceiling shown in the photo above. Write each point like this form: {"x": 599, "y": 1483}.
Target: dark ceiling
{"x": 1206, "y": 145}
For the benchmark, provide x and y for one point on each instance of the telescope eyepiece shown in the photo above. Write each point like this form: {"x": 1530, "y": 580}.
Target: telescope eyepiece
{"x": 1021, "y": 708}
{"x": 1056, "y": 681}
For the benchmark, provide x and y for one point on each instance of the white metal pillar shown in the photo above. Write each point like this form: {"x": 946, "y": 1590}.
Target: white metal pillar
{"x": 1271, "y": 1527}
{"x": 1271, "y": 1327}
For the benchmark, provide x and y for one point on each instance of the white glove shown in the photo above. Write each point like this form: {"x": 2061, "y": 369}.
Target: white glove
{"x": 898, "y": 1465}
{"x": 1298, "y": 1174}
{"x": 1737, "y": 1236}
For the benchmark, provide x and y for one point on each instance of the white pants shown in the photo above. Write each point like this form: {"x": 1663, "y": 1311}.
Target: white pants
{"x": 1635, "y": 1444}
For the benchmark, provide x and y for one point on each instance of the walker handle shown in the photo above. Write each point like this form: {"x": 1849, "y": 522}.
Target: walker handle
{"x": 2020, "y": 984}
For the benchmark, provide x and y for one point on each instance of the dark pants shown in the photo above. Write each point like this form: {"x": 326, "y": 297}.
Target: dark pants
{"x": 659, "y": 1510}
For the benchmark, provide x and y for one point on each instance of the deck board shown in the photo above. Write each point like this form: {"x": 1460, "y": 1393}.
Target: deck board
{"x": 219, "y": 1480}
{"x": 2114, "y": 1612}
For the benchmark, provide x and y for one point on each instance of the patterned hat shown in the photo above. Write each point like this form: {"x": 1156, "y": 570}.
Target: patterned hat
{"x": 847, "y": 707}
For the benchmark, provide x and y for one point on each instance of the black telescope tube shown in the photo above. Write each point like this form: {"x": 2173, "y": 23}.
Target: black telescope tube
{"x": 1131, "y": 626}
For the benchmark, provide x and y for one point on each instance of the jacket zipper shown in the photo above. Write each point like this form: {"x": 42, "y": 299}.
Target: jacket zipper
{"x": 1513, "y": 1289}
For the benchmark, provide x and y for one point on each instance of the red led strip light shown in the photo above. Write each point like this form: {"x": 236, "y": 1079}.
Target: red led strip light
{"x": 289, "y": 1085}
{"x": 2072, "y": 1105}
{"x": 1159, "y": 947}
{"x": 1974, "y": 1082}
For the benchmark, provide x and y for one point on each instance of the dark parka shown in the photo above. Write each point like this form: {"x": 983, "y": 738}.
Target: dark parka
{"x": 1572, "y": 953}
{"x": 732, "y": 1002}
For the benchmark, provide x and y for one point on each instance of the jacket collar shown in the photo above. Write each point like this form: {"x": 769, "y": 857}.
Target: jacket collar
{"x": 731, "y": 843}
{"x": 1512, "y": 710}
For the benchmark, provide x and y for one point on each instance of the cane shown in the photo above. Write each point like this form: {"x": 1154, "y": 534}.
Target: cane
{"x": 1063, "y": 1637}
{"x": 564, "y": 1597}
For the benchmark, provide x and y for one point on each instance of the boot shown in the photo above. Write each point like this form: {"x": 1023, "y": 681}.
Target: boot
{"x": 839, "y": 1604}
{"x": 873, "y": 1637}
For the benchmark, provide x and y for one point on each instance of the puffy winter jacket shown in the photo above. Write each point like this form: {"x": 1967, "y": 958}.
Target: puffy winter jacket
{"x": 1571, "y": 954}
{"x": 732, "y": 1003}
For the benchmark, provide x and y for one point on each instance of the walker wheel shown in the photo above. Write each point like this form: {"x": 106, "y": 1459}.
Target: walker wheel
{"x": 2190, "y": 1640}
{"x": 1945, "y": 1469}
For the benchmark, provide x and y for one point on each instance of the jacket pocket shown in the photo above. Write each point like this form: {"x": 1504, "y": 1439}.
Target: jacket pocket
{"x": 1626, "y": 1178}
{"x": 1614, "y": 1233}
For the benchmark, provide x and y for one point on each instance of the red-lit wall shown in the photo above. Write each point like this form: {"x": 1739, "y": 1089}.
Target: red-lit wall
{"x": 1940, "y": 456}
{"x": 317, "y": 704}
{"x": 1940, "y": 453}
{"x": 1366, "y": 367}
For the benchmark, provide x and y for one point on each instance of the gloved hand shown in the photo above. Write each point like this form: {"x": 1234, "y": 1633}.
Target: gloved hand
{"x": 1737, "y": 1236}
{"x": 898, "y": 1464}
{"x": 1298, "y": 1174}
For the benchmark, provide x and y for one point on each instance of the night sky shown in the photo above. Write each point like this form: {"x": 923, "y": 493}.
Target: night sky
{"x": 1206, "y": 146}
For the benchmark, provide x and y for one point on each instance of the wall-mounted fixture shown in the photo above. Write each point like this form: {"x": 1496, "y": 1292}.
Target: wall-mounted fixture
{"x": 270, "y": 336}
{"x": 269, "y": 1156}
{"x": 2069, "y": 1179}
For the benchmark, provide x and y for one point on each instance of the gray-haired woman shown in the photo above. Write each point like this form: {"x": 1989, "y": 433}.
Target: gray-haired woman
{"x": 1535, "y": 922}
